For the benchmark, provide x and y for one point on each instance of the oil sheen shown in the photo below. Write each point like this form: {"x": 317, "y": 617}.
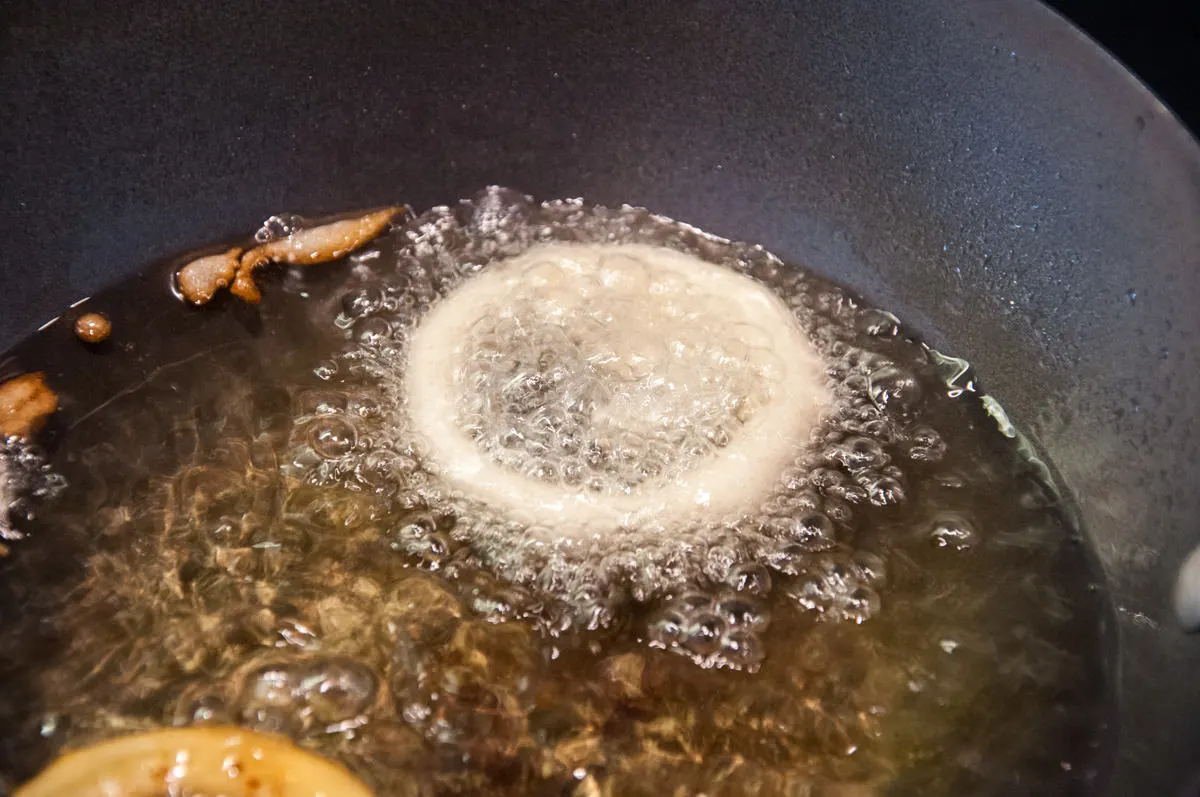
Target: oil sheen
{"x": 882, "y": 592}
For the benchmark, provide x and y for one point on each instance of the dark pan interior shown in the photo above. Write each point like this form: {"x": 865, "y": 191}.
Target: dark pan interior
{"x": 981, "y": 168}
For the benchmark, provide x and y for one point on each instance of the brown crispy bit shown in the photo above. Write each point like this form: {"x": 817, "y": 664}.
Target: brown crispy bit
{"x": 92, "y": 328}
{"x": 243, "y": 285}
{"x": 25, "y": 404}
{"x": 327, "y": 242}
{"x": 202, "y": 278}
{"x": 306, "y": 247}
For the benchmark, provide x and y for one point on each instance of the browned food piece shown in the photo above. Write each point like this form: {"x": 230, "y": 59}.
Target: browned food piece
{"x": 324, "y": 243}
{"x": 306, "y": 247}
{"x": 25, "y": 404}
{"x": 201, "y": 279}
{"x": 214, "y": 760}
{"x": 92, "y": 328}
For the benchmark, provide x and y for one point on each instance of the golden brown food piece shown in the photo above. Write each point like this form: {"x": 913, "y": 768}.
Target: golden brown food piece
{"x": 25, "y": 404}
{"x": 306, "y": 247}
{"x": 224, "y": 760}
{"x": 92, "y": 328}
{"x": 201, "y": 279}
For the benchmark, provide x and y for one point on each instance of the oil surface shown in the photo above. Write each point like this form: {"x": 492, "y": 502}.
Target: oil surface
{"x": 249, "y": 532}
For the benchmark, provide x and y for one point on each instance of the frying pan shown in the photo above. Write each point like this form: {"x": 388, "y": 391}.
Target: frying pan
{"x": 982, "y": 169}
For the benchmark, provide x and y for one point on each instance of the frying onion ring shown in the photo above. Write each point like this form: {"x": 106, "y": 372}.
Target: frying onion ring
{"x": 729, "y": 480}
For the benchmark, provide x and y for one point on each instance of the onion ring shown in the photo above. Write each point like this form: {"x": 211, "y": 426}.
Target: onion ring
{"x": 732, "y": 479}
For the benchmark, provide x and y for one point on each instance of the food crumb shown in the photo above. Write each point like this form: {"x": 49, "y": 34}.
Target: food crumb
{"x": 202, "y": 278}
{"x": 26, "y": 402}
{"x": 92, "y": 328}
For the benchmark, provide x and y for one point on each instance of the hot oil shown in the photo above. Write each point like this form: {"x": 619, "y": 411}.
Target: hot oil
{"x": 251, "y": 533}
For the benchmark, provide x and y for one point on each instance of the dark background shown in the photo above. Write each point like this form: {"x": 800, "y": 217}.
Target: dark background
{"x": 1159, "y": 40}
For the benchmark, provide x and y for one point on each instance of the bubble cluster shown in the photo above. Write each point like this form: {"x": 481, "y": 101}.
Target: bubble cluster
{"x": 714, "y": 630}
{"x": 562, "y": 378}
{"x": 25, "y": 477}
{"x": 327, "y": 693}
{"x": 838, "y": 587}
{"x": 278, "y": 226}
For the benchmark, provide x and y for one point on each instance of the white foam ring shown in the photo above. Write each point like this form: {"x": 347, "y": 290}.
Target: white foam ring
{"x": 611, "y": 300}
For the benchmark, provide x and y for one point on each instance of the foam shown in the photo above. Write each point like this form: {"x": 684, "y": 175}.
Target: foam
{"x": 620, "y": 308}
{"x": 776, "y": 363}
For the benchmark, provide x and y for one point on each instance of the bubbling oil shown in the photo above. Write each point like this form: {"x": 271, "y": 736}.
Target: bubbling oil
{"x": 259, "y": 532}
{"x": 603, "y": 387}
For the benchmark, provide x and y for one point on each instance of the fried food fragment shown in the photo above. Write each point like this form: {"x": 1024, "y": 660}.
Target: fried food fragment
{"x": 92, "y": 328}
{"x": 201, "y": 279}
{"x": 324, "y": 243}
{"x": 306, "y": 247}
{"x": 25, "y": 403}
{"x": 224, "y": 760}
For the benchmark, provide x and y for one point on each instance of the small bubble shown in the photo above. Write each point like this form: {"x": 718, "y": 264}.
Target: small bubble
{"x": 332, "y": 437}
{"x": 751, "y": 579}
{"x": 361, "y": 302}
{"x": 792, "y": 559}
{"x": 703, "y": 634}
{"x": 743, "y": 648}
{"x": 892, "y": 388}
{"x": 372, "y": 331}
{"x": 813, "y": 531}
{"x": 741, "y": 612}
{"x": 268, "y": 697}
{"x": 885, "y": 491}
{"x": 952, "y": 531}
{"x": 432, "y": 550}
{"x": 279, "y": 226}
{"x": 926, "y": 445}
{"x": 827, "y": 479}
{"x": 337, "y": 689}
{"x": 858, "y": 453}
{"x": 860, "y": 605}
{"x": 667, "y": 629}
{"x": 838, "y": 510}
{"x": 879, "y": 323}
